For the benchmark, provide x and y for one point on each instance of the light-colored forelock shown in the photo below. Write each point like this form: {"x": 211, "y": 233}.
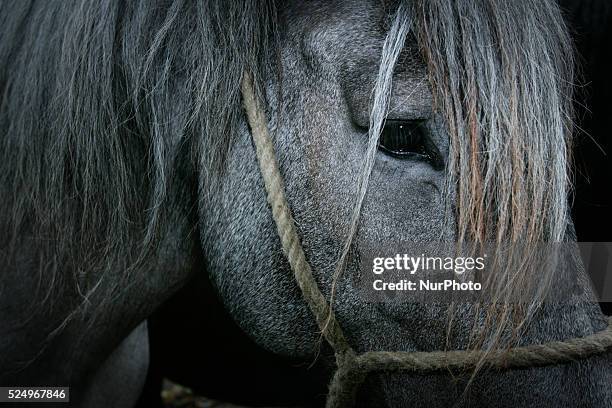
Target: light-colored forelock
{"x": 392, "y": 47}
{"x": 501, "y": 74}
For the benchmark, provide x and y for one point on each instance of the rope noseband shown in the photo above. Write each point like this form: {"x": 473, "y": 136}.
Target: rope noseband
{"x": 352, "y": 368}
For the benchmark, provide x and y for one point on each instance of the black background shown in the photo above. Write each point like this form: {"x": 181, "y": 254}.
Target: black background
{"x": 591, "y": 23}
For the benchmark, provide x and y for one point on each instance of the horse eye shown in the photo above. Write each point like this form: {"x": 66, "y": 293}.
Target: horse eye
{"x": 409, "y": 140}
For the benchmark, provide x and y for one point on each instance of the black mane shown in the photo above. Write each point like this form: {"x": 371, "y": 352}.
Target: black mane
{"x": 103, "y": 103}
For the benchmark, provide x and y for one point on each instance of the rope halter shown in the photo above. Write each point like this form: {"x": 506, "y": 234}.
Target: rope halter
{"x": 352, "y": 368}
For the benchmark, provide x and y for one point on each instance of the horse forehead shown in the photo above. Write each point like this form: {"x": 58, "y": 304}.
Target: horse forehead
{"x": 327, "y": 31}
{"x": 347, "y": 37}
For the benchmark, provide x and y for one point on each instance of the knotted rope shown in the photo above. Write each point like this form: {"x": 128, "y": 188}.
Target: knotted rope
{"x": 352, "y": 368}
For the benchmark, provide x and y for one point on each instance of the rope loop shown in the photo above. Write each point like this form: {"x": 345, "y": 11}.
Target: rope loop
{"x": 346, "y": 380}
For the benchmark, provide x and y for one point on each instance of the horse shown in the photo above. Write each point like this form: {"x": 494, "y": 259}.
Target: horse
{"x": 128, "y": 171}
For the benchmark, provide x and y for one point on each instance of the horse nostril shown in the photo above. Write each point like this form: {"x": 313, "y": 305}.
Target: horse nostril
{"x": 409, "y": 139}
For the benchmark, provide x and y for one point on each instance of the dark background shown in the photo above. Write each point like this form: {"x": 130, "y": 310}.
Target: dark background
{"x": 184, "y": 347}
{"x": 591, "y": 23}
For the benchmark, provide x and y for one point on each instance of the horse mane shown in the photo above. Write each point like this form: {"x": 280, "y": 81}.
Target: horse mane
{"x": 502, "y": 74}
{"x": 106, "y": 107}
